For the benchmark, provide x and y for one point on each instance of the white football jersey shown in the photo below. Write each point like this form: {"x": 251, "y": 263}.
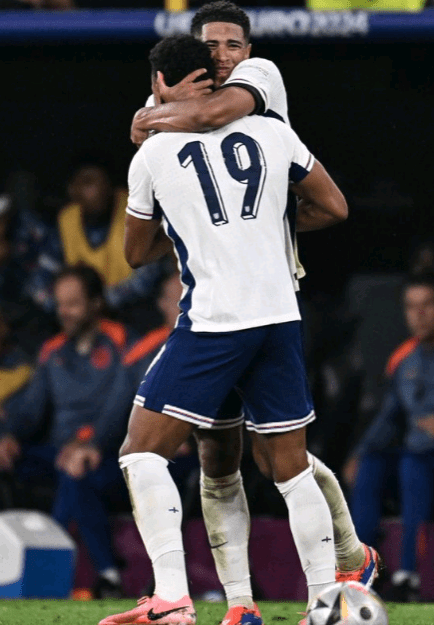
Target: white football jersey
{"x": 223, "y": 197}
{"x": 263, "y": 79}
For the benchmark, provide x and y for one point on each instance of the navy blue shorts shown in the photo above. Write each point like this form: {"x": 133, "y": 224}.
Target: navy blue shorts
{"x": 221, "y": 379}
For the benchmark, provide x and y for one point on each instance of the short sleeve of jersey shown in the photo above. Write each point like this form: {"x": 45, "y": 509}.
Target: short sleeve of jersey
{"x": 141, "y": 200}
{"x": 302, "y": 160}
{"x": 150, "y": 101}
{"x": 260, "y": 77}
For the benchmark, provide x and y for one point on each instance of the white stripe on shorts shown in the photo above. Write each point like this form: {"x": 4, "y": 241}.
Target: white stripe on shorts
{"x": 199, "y": 420}
{"x": 284, "y": 426}
{"x": 186, "y": 415}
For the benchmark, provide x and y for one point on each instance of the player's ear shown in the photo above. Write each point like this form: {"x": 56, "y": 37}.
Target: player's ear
{"x": 156, "y": 87}
{"x": 248, "y": 51}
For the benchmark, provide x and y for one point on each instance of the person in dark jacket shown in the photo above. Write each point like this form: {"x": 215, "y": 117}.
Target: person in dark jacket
{"x": 407, "y": 417}
{"x": 76, "y": 373}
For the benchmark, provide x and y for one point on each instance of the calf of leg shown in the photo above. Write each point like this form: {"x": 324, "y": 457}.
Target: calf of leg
{"x": 309, "y": 515}
{"x": 220, "y": 451}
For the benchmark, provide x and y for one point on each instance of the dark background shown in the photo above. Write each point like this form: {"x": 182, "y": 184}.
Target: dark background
{"x": 364, "y": 110}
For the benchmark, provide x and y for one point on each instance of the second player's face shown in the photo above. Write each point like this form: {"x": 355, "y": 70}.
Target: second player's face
{"x": 419, "y": 311}
{"x": 228, "y": 47}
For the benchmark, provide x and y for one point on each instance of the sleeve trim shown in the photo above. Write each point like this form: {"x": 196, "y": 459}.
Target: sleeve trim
{"x": 258, "y": 97}
{"x": 297, "y": 172}
{"x": 139, "y": 214}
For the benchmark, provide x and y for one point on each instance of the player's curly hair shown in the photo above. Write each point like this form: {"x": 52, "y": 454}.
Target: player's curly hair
{"x": 220, "y": 11}
{"x": 179, "y": 55}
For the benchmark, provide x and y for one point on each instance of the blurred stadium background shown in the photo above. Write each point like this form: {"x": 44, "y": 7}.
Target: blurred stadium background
{"x": 361, "y": 95}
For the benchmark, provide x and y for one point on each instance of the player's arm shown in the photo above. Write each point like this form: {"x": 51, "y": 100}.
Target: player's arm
{"x": 246, "y": 91}
{"x": 204, "y": 113}
{"x": 145, "y": 241}
{"x": 322, "y": 204}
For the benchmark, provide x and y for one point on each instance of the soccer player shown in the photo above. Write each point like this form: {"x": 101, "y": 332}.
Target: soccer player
{"x": 222, "y": 197}
{"x": 248, "y": 86}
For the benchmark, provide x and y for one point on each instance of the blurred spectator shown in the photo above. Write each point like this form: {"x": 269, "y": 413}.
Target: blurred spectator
{"x": 15, "y": 370}
{"x": 90, "y": 230}
{"x": 19, "y": 234}
{"x": 76, "y": 370}
{"x": 407, "y": 414}
{"x": 21, "y": 231}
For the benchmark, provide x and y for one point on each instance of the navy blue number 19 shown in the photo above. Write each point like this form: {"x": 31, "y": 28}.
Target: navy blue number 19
{"x": 245, "y": 163}
{"x": 195, "y": 153}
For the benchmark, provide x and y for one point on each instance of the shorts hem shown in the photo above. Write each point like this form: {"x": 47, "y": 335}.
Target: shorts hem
{"x": 184, "y": 415}
{"x": 284, "y": 426}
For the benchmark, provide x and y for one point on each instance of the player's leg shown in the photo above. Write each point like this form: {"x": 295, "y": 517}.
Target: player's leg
{"x": 174, "y": 385}
{"x": 224, "y": 503}
{"x": 350, "y": 553}
{"x": 225, "y": 511}
{"x": 309, "y": 515}
{"x": 152, "y": 440}
{"x": 278, "y": 406}
{"x": 355, "y": 560}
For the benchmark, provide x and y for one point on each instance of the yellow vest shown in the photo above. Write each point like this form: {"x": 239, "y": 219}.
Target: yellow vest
{"x": 11, "y": 380}
{"x": 366, "y": 5}
{"x": 108, "y": 259}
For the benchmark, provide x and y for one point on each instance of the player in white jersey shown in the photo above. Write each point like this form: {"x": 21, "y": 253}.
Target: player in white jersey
{"x": 249, "y": 85}
{"x": 222, "y": 197}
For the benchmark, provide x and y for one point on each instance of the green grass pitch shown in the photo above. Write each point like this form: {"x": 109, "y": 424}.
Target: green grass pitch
{"x": 33, "y": 612}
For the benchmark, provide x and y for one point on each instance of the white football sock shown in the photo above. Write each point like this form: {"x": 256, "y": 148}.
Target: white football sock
{"x": 227, "y": 520}
{"x": 312, "y": 529}
{"x": 349, "y": 551}
{"x": 157, "y": 511}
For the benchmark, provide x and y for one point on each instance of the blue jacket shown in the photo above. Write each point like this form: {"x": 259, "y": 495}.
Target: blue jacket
{"x": 410, "y": 397}
{"x": 85, "y": 392}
